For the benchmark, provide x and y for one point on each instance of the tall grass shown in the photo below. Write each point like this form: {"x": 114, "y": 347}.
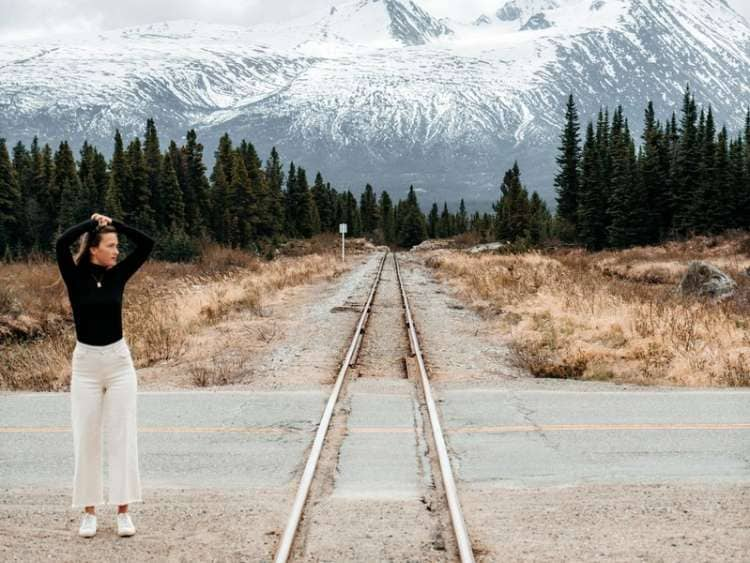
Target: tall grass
{"x": 613, "y": 315}
{"x": 164, "y": 303}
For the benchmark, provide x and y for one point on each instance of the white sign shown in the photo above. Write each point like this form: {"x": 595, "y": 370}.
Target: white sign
{"x": 342, "y": 228}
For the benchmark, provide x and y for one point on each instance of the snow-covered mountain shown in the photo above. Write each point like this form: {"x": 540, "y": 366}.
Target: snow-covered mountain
{"x": 380, "y": 91}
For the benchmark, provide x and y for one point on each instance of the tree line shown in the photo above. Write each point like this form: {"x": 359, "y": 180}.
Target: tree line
{"x": 683, "y": 179}
{"x": 242, "y": 202}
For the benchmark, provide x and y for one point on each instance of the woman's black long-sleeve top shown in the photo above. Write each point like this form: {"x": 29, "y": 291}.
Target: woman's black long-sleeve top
{"x": 97, "y": 311}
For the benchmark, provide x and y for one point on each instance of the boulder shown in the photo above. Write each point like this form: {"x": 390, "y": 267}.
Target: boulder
{"x": 488, "y": 247}
{"x": 704, "y": 279}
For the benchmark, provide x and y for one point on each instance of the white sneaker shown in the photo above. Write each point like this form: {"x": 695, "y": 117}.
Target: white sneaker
{"x": 88, "y": 526}
{"x": 125, "y": 526}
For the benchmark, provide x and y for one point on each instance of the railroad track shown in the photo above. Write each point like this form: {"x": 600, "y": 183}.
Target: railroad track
{"x": 289, "y": 538}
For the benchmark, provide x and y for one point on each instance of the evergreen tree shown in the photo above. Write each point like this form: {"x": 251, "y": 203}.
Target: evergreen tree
{"x": 539, "y": 220}
{"x": 305, "y": 215}
{"x": 39, "y": 224}
{"x": 243, "y": 204}
{"x": 654, "y": 174}
{"x": 72, "y": 205}
{"x": 625, "y": 225}
{"x": 413, "y": 228}
{"x": 461, "y": 218}
{"x": 445, "y": 224}
{"x": 387, "y": 219}
{"x": 705, "y": 185}
{"x": 196, "y": 193}
{"x": 368, "y": 209}
{"x": 350, "y": 214}
{"x": 433, "y": 219}
{"x": 154, "y": 164}
{"x": 173, "y": 208}
{"x": 512, "y": 211}
{"x": 290, "y": 202}
{"x": 326, "y": 211}
{"x": 592, "y": 204}
{"x": 10, "y": 203}
{"x": 275, "y": 180}
{"x": 138, "y": 210}
{"x": 21, "y": 166}
{"x": 719, "y": 194}
{"x": 685, "y": 167}
{"x": 566, "y": 180}
{"x": 741, "y": 185}
{"x": 118, "y": 180}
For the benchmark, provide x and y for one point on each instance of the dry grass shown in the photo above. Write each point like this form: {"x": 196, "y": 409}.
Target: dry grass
{"x": 164, "y": 303}
{"x": 614, "y": 315}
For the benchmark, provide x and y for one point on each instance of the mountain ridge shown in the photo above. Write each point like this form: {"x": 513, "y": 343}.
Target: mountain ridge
{"x": 444, "y": 105}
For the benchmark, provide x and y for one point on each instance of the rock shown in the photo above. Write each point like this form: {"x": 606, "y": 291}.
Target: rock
{"x": 431, "y": 244}
{"x": 703, "y": 279}
{"x": 489, "y": 247}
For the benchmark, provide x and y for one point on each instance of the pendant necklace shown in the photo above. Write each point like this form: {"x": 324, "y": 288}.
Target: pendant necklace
{"x": 98, "y": 280}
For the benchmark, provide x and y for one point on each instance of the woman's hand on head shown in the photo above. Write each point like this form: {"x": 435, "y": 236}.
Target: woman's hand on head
{"x": 101, "y": 219}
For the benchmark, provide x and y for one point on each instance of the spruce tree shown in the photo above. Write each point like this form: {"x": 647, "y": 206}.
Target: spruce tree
{"x": 173, "y": 208}
{"x": 387, "y": 219}
{"x": 433, "y": 219}
{"x": 21, "y": 166}
{"x": 39, "y": 223}
{"x": 685, "y": 168}
{"x": 275, "y": 179}
{"x": 72, "y": 204}
{"x": 290, "y": 202}
{"x": 118, "y": 180}
{"x": 138, "y": 210}
{"x": 539, "y": 220}
{"x": 303, "y": 206}
{"x": 512, "y": 210}
{"x": 243, "y": 204}
{"x": 625, "y": 227}
{"x": 445, "y": 224}
{"x": 741, "y": 185}
{"x": 154, "y": 163}
{"x": 567, "y": 178}
{"x": 196, "y": 194}
{"x": 719, "y": 194}
{"x": 461, "y": 218}
{"x": 350, "y": 214}
{"x": 592, "y": 204}
{"x": 323, "y": 205}
{"x": 10, "y": 203}
{"x": 413, "y": 228}
{"x": 368, "y": 209}
{"x": 654, "y": 175}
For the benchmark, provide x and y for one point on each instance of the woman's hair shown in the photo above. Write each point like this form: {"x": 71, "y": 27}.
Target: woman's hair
{"x": 90, "y": 239}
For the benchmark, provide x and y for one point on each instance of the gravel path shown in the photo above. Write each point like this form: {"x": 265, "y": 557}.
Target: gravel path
{"x": 297, "y": 341}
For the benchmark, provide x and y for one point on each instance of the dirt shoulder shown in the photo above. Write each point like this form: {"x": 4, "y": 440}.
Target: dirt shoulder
{"x": 295, "y": 338}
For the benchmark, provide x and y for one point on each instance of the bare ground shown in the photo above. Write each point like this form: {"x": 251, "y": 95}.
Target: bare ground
{"x": 296, "y": 339}
{"x": 172, "y": 525}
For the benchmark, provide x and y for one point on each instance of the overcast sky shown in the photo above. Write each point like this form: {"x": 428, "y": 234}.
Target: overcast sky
{"x": 20, "y": 19}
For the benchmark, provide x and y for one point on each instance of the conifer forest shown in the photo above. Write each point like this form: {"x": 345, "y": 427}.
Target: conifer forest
{"x": 680, "y": 178}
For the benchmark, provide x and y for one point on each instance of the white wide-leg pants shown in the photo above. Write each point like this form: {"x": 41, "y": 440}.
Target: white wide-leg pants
{"x": 103, "y": 390}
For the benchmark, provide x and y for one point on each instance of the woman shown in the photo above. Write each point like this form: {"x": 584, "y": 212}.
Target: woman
{"x": 103, "y": 383}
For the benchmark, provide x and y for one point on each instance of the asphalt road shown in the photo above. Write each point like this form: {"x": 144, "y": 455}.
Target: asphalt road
{"x": 511, "y": 438}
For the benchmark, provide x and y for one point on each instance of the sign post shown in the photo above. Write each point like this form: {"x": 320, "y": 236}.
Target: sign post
{"x": 342, "y": 230}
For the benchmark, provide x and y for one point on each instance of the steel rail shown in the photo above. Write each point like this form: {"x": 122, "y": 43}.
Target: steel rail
{"x": 285, "y": 543}
{"x": 459, "y": 526}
